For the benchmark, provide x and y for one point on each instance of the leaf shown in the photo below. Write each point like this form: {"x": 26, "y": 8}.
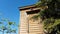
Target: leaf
{"x": 11, "y": 23}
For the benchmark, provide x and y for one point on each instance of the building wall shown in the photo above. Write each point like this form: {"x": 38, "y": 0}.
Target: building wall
{"x": 35, "y": 26}
{"x": 23, "y": 23}
{"x": 28, "y": 25}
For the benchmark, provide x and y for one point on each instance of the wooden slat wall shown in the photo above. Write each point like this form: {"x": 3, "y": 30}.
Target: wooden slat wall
{"x": 23, "y": 23}
{"x": 35, "y": 27}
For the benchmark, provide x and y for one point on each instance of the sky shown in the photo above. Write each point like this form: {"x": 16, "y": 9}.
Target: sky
{"x": 9, "y": 8}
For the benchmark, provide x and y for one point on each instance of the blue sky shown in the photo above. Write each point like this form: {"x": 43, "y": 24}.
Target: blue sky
{"x": 9, "y": 8}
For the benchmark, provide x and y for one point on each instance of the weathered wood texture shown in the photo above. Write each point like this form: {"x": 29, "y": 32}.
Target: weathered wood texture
{"x": 29, "y": 26}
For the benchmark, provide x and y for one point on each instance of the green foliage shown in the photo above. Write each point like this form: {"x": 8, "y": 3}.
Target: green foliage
{"x": 50, "y": 16}
{"x": 6, "y": 26}
{"x": 50, "y": 24}
{"x": 3, "y": 27}
{"x": 11, "y": 23}
{"x": 35, "y": 17}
